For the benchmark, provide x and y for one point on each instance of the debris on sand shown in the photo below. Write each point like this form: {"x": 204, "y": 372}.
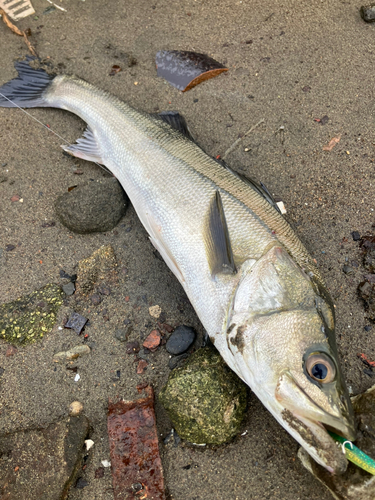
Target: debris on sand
{"x": 29, "y": 318}
{"x": 136, "y": 464}
{"x": 17, "y": 31}
{"x": 184, "y": 70}
{"x": 332, "y": 143}
{"x": 366, "y": 288}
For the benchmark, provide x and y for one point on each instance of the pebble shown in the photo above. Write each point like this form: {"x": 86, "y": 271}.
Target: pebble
{"x": 356, "y": 236}
{"x": 89, "y": 444}
{"x": 69, "y": 288}
{"x": 348, "y": 270}
{"x": 75, "y": 408}
{"x": 74, "y": 353}
{"x": 122, "y": 334}
{"x": 92, "y": 206}
{"x": 152, "y": 342}
{"x": 368, "y": 328}
{"x": 132, "y": 347}
{"x": 180, "y": 340}
{"x": 81, "y": 483}
{"x": 368, "y": 13}
{"x": 155, "y": 311}
{"x": 142, "y": 365}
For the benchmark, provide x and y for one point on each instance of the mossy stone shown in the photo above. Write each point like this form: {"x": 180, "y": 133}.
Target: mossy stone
{"x": 205, "y": 400}
{"x": 29, "y": 318}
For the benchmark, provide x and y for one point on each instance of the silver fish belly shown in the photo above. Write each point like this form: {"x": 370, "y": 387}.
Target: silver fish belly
{"x": 252, "y": 283}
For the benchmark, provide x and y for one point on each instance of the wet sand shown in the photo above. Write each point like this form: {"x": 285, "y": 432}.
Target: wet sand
{"x": 289, "y": 64}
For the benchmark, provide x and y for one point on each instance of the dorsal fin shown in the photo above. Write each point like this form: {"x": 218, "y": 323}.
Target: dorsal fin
{"x": 176, "y": 121}
{"x": 259, "y": 188}
{"x": 218, "y": 247}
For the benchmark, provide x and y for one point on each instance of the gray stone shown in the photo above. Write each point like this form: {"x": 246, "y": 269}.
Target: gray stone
{"x": 42, "y": 463}
{"x": 69, "y": 288}
{"x": 205, "y": 400}
{"x": 368, "y": 13}
{"x": 122, "y": 334}
{"x": 92, "y": 207}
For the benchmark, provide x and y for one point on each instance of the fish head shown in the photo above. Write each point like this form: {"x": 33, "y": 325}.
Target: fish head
{"x": 283, "y": 346}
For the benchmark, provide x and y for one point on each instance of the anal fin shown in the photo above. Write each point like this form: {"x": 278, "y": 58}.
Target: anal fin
{"x": 218, "y": 247}
{"x": 86, "y": 148}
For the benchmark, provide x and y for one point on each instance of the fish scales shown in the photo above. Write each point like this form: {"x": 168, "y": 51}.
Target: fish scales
{"x": 252, "y": 283}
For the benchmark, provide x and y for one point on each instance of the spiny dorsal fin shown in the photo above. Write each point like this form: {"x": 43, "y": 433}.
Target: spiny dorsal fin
{"x": 218, "y": 247}
{"x": 176, "y": 121}
{"x": 85, "y": 148}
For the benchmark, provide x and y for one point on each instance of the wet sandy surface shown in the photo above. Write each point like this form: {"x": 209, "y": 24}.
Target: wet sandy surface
{"x": 289, "y": 64}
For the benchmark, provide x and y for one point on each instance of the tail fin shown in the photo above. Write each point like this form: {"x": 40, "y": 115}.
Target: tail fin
{"x": 27, "y": 90}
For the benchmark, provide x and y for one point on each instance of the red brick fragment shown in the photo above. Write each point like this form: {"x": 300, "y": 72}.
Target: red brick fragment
{"x": 136, "y": 465}
{"x": 142, "y": 365}
{"x": 15, "y": 198}
{"x": 153, "y": 340}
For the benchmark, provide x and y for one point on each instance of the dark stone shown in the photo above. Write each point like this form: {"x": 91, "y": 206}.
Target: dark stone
{"x": 69, "y": 288}
{"x": 47, "y": 460}
{"x": 9, "y": 248}
{"x": 63, "y": 274}
{"x": 368, "y": 328}
{"x": 122, "y": 334}
{"x": 368, "y": 13}
{"x": 356, "y": 236}
{"x": 81, "y": 483}
{"x": 104, "y": 290}
{"x": 132, "y": 347}
{"x": 92, "y": 207}
{"x": 348, "y": 270}
{"x": 180, "y": 340}
{"x": 76, "y": 322}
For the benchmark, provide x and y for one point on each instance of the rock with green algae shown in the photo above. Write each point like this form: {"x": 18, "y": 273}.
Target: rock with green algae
{"x": 30, "y": 317}
{"x": 205, "y": 400}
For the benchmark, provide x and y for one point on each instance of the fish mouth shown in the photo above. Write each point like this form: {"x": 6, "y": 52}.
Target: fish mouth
{"x": 317, "y": 441}
{"x": 310, "y": 425}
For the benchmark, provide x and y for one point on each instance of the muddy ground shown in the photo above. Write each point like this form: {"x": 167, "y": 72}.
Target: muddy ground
{"x": 289, "y": 64}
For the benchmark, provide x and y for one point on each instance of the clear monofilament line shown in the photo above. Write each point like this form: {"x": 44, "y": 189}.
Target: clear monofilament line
{"x": 67, "y": 143}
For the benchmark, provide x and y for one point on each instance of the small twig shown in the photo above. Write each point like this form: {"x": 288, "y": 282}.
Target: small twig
{"x": 235, "y": 144}
{"x": 17, "y": 31}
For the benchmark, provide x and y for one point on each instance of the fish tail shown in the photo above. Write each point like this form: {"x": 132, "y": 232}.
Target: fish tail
{"x": 28, "y": 90}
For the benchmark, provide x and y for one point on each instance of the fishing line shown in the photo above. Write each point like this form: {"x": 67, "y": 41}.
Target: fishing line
{"x": 67, "y": 143}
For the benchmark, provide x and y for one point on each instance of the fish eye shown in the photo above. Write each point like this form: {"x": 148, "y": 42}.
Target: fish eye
{"x": 321, "y": 368}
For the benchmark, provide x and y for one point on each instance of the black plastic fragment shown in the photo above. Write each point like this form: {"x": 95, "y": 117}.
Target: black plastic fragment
{"x": 76, "y": 322}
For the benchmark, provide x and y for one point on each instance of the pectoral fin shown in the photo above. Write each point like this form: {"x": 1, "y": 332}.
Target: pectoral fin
{"x": 86, "y": 148}
{"x": 218, "y": 247}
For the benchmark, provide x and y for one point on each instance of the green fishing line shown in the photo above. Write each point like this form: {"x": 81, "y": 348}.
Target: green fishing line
{"x": 355, "y": 455}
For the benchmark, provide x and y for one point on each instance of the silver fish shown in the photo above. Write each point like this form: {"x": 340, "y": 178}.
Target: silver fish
{"x": 252, "y": 283}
